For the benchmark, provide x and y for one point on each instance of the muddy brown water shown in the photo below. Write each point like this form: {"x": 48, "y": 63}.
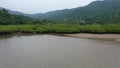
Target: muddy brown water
{"x": 51, "y": 51}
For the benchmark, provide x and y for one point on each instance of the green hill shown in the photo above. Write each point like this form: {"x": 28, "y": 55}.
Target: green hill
{"x": 102, "y": 11}
{"x": 9, "y": 19}
{"x": 107, "y": 11}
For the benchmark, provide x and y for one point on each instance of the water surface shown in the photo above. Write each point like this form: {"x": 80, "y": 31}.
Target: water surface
{"x": 50, "y": 51}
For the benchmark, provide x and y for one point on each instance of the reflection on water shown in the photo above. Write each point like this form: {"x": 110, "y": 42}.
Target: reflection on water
{"x": 50, "y": 51}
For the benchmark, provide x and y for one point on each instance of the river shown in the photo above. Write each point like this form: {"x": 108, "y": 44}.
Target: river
{"x": 52, "y": 51}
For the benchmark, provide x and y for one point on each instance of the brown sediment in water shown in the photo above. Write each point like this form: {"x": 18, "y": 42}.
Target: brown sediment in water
{"x": 115, "y": 37}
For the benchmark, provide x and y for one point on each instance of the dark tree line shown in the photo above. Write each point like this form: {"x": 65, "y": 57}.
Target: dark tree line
{"x": 12, "y": 19}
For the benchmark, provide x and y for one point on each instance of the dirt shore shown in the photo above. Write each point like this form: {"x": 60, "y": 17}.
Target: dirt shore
{"x": 115, "y": 37}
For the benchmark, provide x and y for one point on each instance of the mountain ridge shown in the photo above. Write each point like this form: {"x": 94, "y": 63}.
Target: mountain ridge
{"x": 97, "y": 10}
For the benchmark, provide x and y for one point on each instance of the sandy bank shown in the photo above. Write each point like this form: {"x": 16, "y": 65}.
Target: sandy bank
{"x": 115, "y": 37}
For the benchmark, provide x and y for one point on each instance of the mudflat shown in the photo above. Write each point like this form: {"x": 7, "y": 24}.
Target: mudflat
{"x": 115, "y": 37}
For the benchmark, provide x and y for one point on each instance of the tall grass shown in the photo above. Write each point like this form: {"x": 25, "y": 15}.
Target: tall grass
{"x": 60, "y": 28}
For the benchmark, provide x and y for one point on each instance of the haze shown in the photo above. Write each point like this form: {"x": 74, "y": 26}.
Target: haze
{"x": 41, "y": 6}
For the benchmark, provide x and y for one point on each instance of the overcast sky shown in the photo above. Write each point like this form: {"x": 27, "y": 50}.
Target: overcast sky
{"x": 41, "y": 6}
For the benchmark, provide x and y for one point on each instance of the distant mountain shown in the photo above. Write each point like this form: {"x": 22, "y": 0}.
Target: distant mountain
{"x": 97, "y": 10}
{"x": 9, "y": 19}
{"x": 16, "y": 12}
{"x": 13, "y": 12}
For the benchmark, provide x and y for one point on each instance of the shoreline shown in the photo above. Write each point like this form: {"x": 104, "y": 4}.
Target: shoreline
{"x": 115, "y": 37}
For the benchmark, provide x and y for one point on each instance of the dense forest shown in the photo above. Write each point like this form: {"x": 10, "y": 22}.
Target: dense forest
{"x": 13, "y": 19}
{"x": 10, "y": 23}
{"x": 8, "y": 19}
{"x": 101, "y": 11}
{"x": 97, "y": 17}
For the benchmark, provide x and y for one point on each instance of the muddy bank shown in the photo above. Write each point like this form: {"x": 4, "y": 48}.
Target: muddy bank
{"x": 115, "y": 37}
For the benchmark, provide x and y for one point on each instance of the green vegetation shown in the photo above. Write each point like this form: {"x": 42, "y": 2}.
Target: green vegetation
{"x": 99, "y": 11}
{"x": 60, "y": 28}
{"x": 9, "y": 19}
{"x": 88, "y": 19}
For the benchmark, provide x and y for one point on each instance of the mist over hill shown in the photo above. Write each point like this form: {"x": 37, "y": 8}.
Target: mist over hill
{"x": 97, "y": 11}
{"x": 101, "y": 16}
{"x": 101, "y": 11}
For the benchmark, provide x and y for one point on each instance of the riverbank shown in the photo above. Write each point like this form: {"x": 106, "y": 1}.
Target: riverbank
{"x": 115, "y": 37}
{"x": 112, "y": 37}
{"x": 61, "y": 29}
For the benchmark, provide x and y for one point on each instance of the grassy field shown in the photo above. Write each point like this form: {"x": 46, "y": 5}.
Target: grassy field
{"x": 60, "y": 28}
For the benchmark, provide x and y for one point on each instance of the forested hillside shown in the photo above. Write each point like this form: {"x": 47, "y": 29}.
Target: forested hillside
{"x": 7, "y": 18}
{"x": 107, "y": 11}
{"x": 97, "y": 17}
{"x": 101, "y": 11}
